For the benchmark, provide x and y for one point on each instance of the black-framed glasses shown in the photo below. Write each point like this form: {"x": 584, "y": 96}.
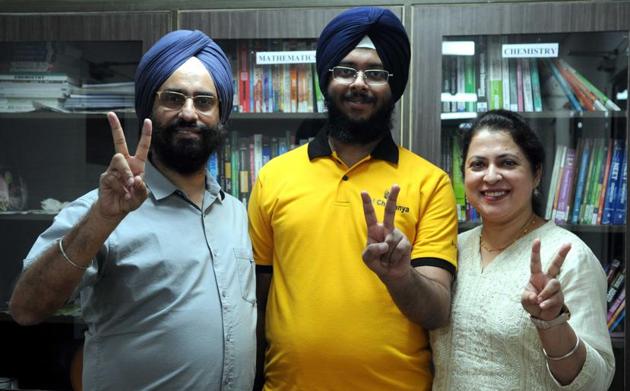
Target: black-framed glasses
{"x": 174, "y": 100}
{"x": 372, "y": 77}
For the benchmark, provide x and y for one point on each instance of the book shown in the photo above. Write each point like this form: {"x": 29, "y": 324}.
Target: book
{"x": 495, "y": 81}
{"x": 505, "y": 71}
{"x": 513, "y": 84}
{"x": 600, "y": 180}
{"x": 580, "y": 93}
{"x": 481, "y": 74}
{"x": 615, "y": 305}
{"x": 469, "y": 82}
{"x": 606, "y": 174}
{"x": 613, "y": 269}
{"x": 566, "y": 187}
{"x": 617, "y": 321}
{"x": 528, "y": 102}
{"x": 619, "y": 214}
{"x": 563, "y": 84}
{"x": 583, "y": 159}
{"x": 243, "y": 87}
{"x": 555, "y": 174}
{"x": 611, "y": 191}
{"x": 608, "y": 103}
{"x": 535, "y": 77}
{"x": 616, "y": 315}
{"x": 458, "y": 181}
{"x": 616, "y": 285}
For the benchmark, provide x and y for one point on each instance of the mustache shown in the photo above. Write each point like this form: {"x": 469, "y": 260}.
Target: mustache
{"x": 180, "y": 124}
{"x": 359, "y": 96}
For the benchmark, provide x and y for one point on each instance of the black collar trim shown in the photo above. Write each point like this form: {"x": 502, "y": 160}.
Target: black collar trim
{"x": 386, "y": 149}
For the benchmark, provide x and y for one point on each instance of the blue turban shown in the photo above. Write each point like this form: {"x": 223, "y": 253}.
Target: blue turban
{"x": 168, "y": 54}
{"x": 344, "y": 32}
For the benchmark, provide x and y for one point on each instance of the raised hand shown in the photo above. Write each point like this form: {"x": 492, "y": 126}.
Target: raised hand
{"x": 121, "y": 186}
{"x": 542, "y": 296}
{"x": 388, "y": 251}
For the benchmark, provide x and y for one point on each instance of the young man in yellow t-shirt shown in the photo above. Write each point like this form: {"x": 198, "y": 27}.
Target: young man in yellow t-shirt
{"x": 354, "y": 237}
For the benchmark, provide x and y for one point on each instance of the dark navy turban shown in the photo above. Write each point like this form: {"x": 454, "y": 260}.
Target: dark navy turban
{"x": 344, "y": 32}
{"x": 168, "y": 54}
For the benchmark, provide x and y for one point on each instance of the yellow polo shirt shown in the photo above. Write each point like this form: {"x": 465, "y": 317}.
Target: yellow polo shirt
{"x": 330, "y": 322}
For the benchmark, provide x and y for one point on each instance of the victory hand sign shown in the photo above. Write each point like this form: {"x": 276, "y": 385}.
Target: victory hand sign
{"x": 121, "y": 186}
{"x": 542, "y": 296}
{"x": 388, "y": 251}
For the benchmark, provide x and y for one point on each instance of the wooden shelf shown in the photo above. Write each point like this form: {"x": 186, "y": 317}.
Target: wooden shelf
{"x": 39, "y": 115}
{"x": 543, "y": 114}
{"x": 278, "y": 116}
{"x": 585, "y": 228}
{"x": 618, "y": 340}
{"x": 36, "y": 215}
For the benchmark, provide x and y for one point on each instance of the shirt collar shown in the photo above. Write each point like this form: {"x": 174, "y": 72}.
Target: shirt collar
{"x": 161, "y": 187}
{"x": 386, "y": 149}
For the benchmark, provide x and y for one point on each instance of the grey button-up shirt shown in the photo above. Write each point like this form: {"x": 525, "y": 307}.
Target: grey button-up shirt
{"x": 169, "y": 300}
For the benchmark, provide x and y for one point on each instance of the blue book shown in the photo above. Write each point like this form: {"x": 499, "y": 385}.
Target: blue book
{"x": 619, "y": 214}
{"x": 563, "y": 84}
{"x": 613, "y": 181}
{"x": 622, "y": 315}
{"x": 581, "y": 181}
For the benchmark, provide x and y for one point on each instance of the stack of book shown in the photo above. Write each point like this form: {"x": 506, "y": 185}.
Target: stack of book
{"x": 28, "y": 91}
{"x": 102, "y": 96}
{"x": 616, "y": 297}
{"x": 588, "y": 183}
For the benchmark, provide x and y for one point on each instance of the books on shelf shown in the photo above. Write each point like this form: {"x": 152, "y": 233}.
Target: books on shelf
{"x": 616, "y": 295}
{"x": 287, "y": 83}
{"x": 525, "y": 84}
{"x": 587, "y": 185}
{"x": 236, "y": 165}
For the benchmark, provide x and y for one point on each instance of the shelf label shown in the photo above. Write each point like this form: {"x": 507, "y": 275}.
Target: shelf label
{"x": 529, "y": 50}
{"x": 293, "y": 57}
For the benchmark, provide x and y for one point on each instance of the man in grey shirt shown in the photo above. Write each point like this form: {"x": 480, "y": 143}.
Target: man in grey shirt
{"x": 158, "y": 255}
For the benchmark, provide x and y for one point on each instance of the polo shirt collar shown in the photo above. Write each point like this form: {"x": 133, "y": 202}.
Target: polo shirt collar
{"x": 386, "y": 149}
{"x": 161, "y": 187}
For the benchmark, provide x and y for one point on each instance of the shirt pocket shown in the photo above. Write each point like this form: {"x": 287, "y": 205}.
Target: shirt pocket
{"x": 246, "y": 274}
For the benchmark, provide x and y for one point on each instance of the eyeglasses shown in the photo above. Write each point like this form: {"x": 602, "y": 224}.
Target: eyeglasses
{"x": 173, "y": 100}
{"x": 372, "y": 77}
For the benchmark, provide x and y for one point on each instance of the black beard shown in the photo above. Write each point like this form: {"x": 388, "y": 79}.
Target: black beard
{"x": 359, "y": 132}
{"x": 186, "y": 156}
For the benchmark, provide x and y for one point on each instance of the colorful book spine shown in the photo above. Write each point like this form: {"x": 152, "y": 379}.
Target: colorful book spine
{"x": 581, "y": 180}
{"x": 619, "y": 216}
{"x": 606, "y": 174}
{"x": 566, "y": 186}
{"x": 536, "y": 94}
{"x": 519, "y": 86}
{"x": 611, "y": 191}
{"x": 555, "y": 174}
{"x": 615, "y": 305}
{"x": 620, "y": 316}
{"x": 563, "y": 84}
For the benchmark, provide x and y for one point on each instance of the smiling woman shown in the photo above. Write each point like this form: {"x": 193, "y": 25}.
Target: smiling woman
{"x": 538, "y": 344}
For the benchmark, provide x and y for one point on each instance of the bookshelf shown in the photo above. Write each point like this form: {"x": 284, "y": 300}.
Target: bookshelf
{"x": 273, "y": 102}
{"x": 461, "y": 73}
{"x": 53, "y": 154}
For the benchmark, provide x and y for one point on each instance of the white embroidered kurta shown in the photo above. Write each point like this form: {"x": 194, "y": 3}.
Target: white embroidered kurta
{"x": 490, "y": 343}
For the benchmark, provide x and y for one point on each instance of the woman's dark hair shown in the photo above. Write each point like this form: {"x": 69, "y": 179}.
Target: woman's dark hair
{"x": 523, "y": 136}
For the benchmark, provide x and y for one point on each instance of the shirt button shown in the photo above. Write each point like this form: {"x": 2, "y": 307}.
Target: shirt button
{"x": 345, "y": 178}
{"x": 224, "y": 293}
